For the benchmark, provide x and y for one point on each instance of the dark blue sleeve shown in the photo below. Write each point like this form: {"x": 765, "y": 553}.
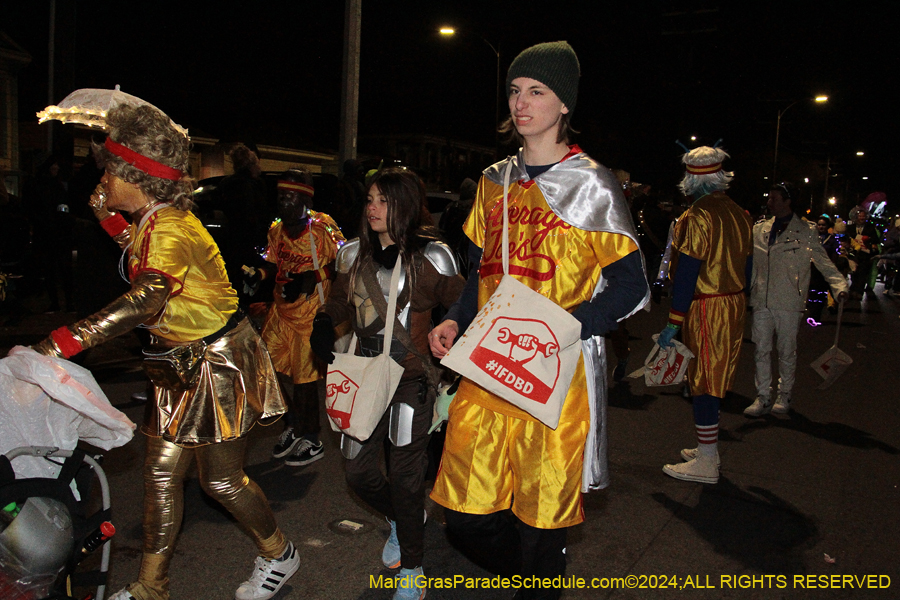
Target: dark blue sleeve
{"x": 465, "y": 308}
{"x": 626, "y": 287}
{"x": 685, "y": 283}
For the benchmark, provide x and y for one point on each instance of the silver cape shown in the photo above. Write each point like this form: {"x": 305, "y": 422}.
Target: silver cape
{"x": 586, "y": 195}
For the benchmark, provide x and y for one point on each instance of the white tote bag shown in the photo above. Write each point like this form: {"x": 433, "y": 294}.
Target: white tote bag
{"x": 358, "y": 388}
{"x": 522, "y": 346}
{"x": 665, "y": 366}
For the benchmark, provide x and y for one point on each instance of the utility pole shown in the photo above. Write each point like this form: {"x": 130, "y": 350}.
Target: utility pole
{"x": 350, "y": 87}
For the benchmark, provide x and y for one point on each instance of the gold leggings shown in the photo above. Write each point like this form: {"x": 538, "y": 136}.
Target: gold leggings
{"x": 221, "y": 471}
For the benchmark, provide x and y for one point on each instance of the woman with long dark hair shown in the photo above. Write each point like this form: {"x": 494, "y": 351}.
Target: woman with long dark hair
{"x": 396, "y": 225}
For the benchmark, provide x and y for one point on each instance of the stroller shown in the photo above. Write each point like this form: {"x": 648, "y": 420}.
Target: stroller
{"x": 45, "y": 530}
{"x": 47, "y": 526}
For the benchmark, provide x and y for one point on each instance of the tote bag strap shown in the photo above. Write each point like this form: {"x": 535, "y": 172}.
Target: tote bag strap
{"x": 506, "y": 217}
{"x": 315, "y": 257}
{"x": 389, "y": 322}
{"x": 390, "y": 318}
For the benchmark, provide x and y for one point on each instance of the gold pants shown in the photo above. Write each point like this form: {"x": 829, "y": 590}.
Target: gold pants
{"x": 221, "y": 471}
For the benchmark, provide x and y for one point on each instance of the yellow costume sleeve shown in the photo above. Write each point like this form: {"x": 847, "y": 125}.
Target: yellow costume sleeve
{"x": 692, "y": 234}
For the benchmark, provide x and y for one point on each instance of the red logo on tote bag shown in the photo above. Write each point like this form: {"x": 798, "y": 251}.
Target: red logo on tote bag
{"x": 339, "y": 399}
{"x": 522, "y": 355}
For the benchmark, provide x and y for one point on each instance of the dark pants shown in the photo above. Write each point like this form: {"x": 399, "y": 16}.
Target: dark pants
{"x": 303, "y": 406}
{"x": 402, "y": 497}
{"x": 861, "y": 279}
{"x": 618, "y": 339}
{"x": 504, "y": 545}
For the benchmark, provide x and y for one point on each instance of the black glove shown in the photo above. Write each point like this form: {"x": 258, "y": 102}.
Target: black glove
{"x": 592, "y": 321}
{"x": 251, "y": 279}
{"x": 300, "y": 283}
{"x": 321, "y": 340}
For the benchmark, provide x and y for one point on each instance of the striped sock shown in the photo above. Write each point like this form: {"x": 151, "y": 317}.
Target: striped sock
{"x": 708, "y": 438}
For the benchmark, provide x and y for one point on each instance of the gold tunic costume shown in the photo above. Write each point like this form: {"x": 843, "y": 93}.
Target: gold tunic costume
{"x": 237, "y": 385}
{"x": 496, "y": 455}
{"x": 717, "y": 232}
{"x": 289, "y": 324}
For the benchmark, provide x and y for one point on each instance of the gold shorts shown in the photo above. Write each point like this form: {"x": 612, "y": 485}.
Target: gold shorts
{"x": 492, "y": 461}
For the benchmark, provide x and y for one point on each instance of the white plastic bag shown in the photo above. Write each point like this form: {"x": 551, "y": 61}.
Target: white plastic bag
{"x": 665, "y": 366}
{"x": 48, "y": 401}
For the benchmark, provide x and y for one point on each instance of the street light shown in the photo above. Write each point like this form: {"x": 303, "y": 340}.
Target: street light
{"x": 818, "y": 99}
{"x": 447, "y": 31}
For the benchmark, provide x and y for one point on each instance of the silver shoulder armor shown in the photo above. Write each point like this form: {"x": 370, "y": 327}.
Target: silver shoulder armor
{"x": 440, "y": 255}
{"x": 347, "y": 256}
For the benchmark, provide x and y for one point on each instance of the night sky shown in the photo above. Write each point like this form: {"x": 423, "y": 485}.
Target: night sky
{"x": 652, "y": 72}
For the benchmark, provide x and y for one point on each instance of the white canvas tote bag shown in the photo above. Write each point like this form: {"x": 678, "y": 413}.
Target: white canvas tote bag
{"x": 665, "y": 366}
{"x": 522, "y": 346}
{"x": 358, "y": 389}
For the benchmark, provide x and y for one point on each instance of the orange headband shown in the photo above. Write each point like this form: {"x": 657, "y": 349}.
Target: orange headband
{"x": 704, "y": 169}
{"x": 296, "y": 187}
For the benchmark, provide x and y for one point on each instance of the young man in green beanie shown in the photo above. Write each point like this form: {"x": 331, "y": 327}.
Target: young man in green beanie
{"x": 571, "y": 240}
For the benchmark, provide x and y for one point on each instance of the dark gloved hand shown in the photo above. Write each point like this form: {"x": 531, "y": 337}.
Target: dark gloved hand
{"x": 321, "y": 340}
{"x": 300, "y": 283}
{"x": 252, "y": 278}
{"x": 665, "y": 337}
{"x": 591, "y": 323}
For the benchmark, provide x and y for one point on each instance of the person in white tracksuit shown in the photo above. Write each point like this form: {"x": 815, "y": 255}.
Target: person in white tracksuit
{"x": 783, "y": 248}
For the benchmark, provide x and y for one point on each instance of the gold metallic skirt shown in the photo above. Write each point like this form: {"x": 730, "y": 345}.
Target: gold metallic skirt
{"x": 236, "y": 389}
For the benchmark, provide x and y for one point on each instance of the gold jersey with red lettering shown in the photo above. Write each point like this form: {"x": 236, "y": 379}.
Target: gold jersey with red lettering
{"x": 289, "y": 324}
{"x": 555, "y": 259}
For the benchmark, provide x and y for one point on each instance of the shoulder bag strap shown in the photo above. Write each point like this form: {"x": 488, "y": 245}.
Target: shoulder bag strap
{"x": 370, "y": 281}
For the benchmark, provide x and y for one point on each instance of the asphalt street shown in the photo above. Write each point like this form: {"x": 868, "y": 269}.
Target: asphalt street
{"x": 806, "y": 506}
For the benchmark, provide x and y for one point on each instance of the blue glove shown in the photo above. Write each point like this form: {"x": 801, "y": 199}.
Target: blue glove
{"x": 442, "y": 404}
{"x": 665, "y": 337}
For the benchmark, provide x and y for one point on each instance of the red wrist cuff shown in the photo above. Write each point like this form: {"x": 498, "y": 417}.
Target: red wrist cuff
{"x": 114, "y": 225}
{"x": 67, "y": 343}
{"x": 676, "y": 318}
{"x": 323, "y": 273}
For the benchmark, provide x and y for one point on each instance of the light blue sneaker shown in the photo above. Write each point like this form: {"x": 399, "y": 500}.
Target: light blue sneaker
{"x": 390, "y": 556}
{"x": 410, "y": 584}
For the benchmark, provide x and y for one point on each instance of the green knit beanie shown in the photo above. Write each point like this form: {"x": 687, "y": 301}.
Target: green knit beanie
{"x": 554, "y": 64}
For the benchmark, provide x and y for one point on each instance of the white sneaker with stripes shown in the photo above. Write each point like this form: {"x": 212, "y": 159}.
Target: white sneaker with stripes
{"x": 269, "y": 575}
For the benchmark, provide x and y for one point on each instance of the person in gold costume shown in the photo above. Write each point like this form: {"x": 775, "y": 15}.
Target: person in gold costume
{"x": 712, "y": 265}
{"x": 510, "y": 485}
{"x": 220, "y": 381}
{"x": 300, "y": 256}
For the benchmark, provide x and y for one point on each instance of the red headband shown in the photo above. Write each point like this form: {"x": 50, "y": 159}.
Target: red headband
{"x": 704, "y": 169}
{"x": 139, "y": 161}
{"x": 297, "y": 187}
